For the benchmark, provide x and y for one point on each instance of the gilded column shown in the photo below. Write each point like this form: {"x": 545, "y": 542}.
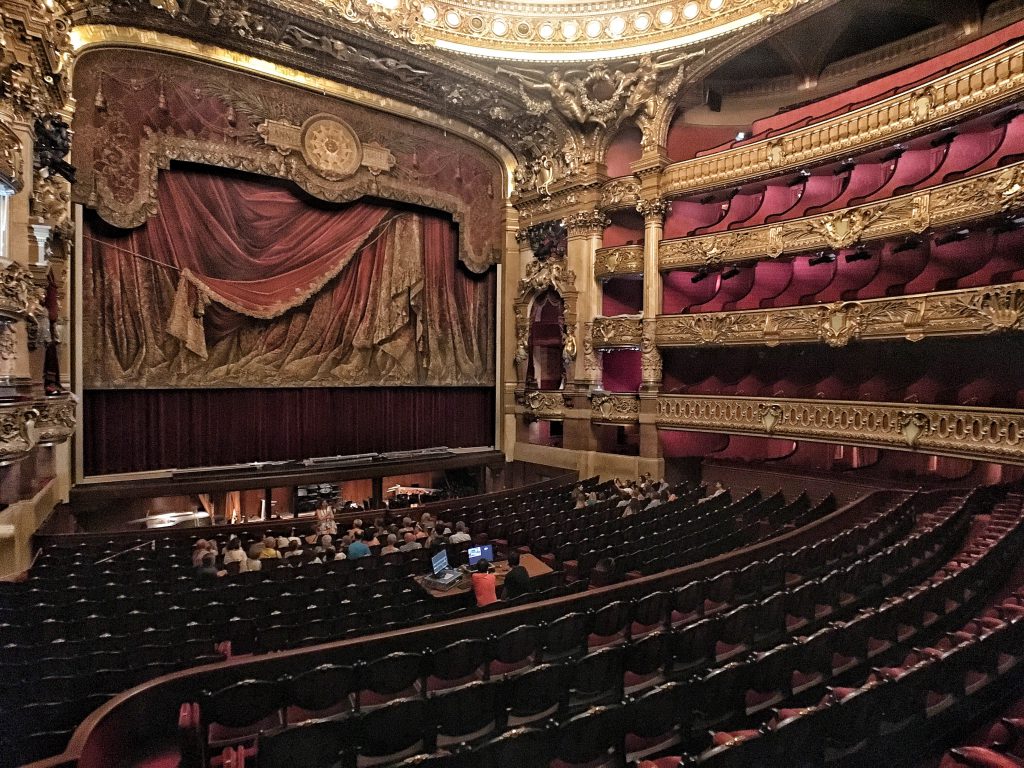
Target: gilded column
{"x": 653, "y": 212}
{"x": 586, "y": 233}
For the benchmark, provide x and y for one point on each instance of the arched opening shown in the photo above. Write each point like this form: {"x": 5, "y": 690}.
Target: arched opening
{"x": 546, "y": 367}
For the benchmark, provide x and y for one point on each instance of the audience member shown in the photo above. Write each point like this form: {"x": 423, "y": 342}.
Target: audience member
{"x": 461, "y": 535}
{"x": 410, "y": 543}
{"x": 293, "y": 548}
{"x": 208, "y": 568}
{"x": 484, "y": 584}
{"x": 233, "y": 552}
{"x": 269, "y": 551}
{"x": 517, "y": 580}
{"x": 360, "y": 547}
{"x": 391, "y": 547}
{"x": 199, "y": 550}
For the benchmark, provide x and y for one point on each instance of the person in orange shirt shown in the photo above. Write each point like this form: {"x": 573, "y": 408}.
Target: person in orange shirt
{"x": 484, "y": 585}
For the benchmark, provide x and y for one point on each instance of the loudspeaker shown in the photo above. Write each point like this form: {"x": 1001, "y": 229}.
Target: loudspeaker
{"x": 713, "y": 99}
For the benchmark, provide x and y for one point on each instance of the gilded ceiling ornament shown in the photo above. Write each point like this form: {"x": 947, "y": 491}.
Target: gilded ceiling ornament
{"x": 330, "y": 147}
{"x": 839, "y": 323}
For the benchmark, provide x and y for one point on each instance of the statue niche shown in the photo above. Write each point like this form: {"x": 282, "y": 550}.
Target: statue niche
{"x": 545, "y": 368}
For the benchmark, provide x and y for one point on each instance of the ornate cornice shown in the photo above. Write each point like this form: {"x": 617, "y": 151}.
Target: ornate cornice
{"x": 979, "y": 87}
{"x": 614, "y": 409}
{"x": 586, "y": 223}
{"x": 965, "y": 312}
{"x": 620, "y": 260}
{"x": 977, "y": 198}
{"x": 613, "y": 332}
{"x": 973, "y": 433}
{"x": 20, "y": 297}
{"x": 538, "y": 404}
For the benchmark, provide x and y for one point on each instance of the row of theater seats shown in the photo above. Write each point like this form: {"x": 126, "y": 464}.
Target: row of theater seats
{"x": 1001, "y": 744}
{"x": 98, "y": 629}
{"x": 664, "y": 702}
{"x": 866, "y": 94}
{"x": 975, "y": 372}
{"x": 973, "y": 149}
{"x": 902, "y": 267}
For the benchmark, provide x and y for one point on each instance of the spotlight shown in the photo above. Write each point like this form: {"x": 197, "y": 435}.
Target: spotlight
{"x": 861, "y": 254}
{"x": 910, "y": 244}
{"x": 741, "y": 136}
{"x": 825, "y": 257}
{"x": 953, "y": 237}
{"x": 702, "y": 274}
{"x": 730, "y": 273}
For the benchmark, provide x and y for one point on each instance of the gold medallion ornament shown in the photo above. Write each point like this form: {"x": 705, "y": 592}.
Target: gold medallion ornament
{"x": 330, "y": 147}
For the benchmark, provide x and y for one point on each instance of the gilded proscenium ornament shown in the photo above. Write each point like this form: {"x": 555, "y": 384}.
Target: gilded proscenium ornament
{"x": 619, "y": 260}
{"x": 975, "y": 433}
{"x": 16, "y": 434}
{"x": 963, "y": 312}
{"x": 615, "y": 409}
{"x": 617, "y": 332}
{"x": 56, "y": 421}
{"x": 976, "y": 88}
{"x": 978, "y": 198}
{"x": 20, "y": 297}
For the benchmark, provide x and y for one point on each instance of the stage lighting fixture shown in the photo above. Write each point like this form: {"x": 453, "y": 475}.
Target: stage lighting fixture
{"x": 826, "y": 257}
{"x": 730, "y": 273}
{"x": 701, "y": 275}
{"x": 953, "y": 237}
{"x": 910, "y": 244}
{"x": 861, "y": 254}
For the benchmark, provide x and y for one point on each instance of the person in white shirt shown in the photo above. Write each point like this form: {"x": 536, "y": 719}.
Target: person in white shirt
{"x": 233, "y": 553}
{"x": 390, "y": 547}
{"x": 461, "y": 535}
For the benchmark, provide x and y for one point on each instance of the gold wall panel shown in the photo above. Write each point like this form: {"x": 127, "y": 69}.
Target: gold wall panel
{"x": 538, "y": 404}
{"x": 966, "y": 312}
{"x": 979, "y": 87}
{"x": 622, "y": 331}
{"x": 972, "y": 199}
{"x": 976, "y": 433}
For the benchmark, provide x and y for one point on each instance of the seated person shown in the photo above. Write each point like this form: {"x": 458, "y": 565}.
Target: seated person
{"x": 293, "y": 548}
{"x": 391, "y": 547}
{"x": 208, "y": 568}
{"x": 410, "y": 543}
{"x": 517, "y": 580}
{"x": 484, "y": 584}
{"x": 461, "y": 535}
{"x": 269, "y": 551}
{"x": 360, "y": 547}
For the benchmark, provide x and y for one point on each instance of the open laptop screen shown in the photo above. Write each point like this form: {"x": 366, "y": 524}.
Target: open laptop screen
{"x": 439, "y": 562}
{"x": 484, "y": 552}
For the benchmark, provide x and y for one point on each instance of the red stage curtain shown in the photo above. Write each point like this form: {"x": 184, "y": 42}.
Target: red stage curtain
{"x": 134, "y": 430}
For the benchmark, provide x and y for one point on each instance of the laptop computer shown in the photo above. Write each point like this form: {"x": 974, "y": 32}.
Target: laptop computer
{"x": 483, "y": 552}
{"x": 443, "y": 575}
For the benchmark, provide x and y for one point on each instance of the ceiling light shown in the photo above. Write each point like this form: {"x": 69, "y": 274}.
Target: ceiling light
{"x": 642, "y": 22}
{"x": 429, "y": 13}
{"x": 715, "y": 5}
{"x": 546, "y": 31}
{"x": 570, "y": 29}
{"x": 617, "y": 25}
{"x": 690, "y": 10}
{"x": 452, "y": 19}
{"x": 499, "y": 27}
{"x": 593, "y": 28}
{"x": 665, "y": 16}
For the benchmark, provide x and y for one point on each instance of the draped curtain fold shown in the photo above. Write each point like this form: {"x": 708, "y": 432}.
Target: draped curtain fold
{"x": 239, "y": 282}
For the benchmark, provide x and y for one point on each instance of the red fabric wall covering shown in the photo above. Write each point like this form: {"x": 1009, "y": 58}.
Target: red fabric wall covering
{"x": 137, "y": 430}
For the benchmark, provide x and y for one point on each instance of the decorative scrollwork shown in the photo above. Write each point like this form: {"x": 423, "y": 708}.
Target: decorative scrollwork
{"x": 622, "y": 331}
{"x": 621, "y": 260}
{"x": 543, "y": 275}
{"x": 615, "y": 409}
{"x": 975, "y": 433}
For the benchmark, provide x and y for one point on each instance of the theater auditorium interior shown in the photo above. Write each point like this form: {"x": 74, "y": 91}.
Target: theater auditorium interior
{"x": 534, "y": 384}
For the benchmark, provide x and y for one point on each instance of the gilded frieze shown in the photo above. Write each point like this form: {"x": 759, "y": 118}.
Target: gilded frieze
{"x": 20, "y": 297}
{"x": 56, "y": 421}
{"x": 964, "y": 312}
{"x": 975, "y": 433}
{"x": 979, "y": 87}
{"x": 620, "y": 260}
{"x": 620, "y": 194}
{"x": 613, "y": 332}
{"x": 615, "y": 409}
{"x": 978, "y": 198}
{"x": 545, "y": 405}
